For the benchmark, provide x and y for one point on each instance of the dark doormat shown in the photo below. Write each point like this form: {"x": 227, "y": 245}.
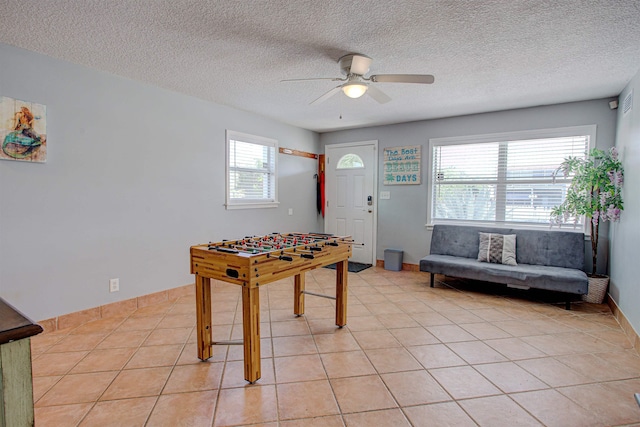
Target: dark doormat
{"x": 354, "y": 267}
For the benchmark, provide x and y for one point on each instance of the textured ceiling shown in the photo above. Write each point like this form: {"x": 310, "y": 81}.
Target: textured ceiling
{"x": 486, "y": 55}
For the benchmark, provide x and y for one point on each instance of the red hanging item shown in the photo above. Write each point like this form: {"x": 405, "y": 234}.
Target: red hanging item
{"x": 321, "y": 182}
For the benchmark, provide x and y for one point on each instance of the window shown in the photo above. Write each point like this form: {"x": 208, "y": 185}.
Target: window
{"x": 251, "y": 171}
{"x": 350, "y": 161}
{"x": 503, "y": 178}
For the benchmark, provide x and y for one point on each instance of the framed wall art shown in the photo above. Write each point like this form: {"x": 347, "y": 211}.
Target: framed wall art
{"x": 402, "y": 165}
{"x": 23, "y": 130}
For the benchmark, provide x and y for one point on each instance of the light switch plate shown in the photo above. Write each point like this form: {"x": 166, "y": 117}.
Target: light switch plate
{"x": 385, "y": 195}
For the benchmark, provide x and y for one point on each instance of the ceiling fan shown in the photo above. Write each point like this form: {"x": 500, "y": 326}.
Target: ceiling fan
{"x": 354, "y": 66}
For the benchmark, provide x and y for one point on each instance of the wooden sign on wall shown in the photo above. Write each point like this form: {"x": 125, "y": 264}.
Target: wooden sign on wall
{"x": 402, "y": 165}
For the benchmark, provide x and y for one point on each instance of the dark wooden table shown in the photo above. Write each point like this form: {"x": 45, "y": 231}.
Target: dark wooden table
{"x": 14, "y": 325}
{"x": 16, "y": 390}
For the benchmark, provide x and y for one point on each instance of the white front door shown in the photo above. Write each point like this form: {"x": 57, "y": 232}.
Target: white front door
{"x": 350, "y": 195}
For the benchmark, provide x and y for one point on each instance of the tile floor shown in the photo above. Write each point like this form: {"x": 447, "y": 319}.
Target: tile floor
{"x": 410, "y": 355}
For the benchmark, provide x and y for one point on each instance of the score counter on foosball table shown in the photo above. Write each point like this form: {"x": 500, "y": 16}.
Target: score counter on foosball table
{"x": 255, "y": 261}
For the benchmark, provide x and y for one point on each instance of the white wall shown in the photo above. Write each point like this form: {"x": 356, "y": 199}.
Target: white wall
{"x": 625, "y": 235}
{"x": 134, "y": 176}
{"x": 402, "y": 219}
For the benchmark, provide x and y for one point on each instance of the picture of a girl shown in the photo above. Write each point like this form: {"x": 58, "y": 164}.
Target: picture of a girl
{"x": 23, "y": 142}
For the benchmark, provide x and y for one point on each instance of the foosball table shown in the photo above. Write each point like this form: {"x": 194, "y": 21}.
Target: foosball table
{"x": 255, "y": 261}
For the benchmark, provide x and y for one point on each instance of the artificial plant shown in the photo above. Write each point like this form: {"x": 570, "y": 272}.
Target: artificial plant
{"x": 594, "y": 192}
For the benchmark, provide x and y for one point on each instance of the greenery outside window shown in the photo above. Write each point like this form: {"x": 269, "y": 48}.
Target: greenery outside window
{"x": 251, "y": 171}
{"x": 350, "y": 161}
{"x": 502, "y": 179}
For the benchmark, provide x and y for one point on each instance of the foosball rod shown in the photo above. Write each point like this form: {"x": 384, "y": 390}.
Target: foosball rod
{"x": 247, "y": 246}
{"x": 281, "y": 257}
{"x": 338, "y": 243}
{"x": 303, "y": 251}
{"x": 226, "y": 242}
{"x": 348, "y": 242}
{"x": 231, "y": 250}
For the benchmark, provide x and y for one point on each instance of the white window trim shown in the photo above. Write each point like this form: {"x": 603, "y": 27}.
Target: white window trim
{"x": 506, "y": 136}
{"x": 247, "y": 204}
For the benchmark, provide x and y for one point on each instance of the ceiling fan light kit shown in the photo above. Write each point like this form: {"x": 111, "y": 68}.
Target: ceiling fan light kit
{"x": 354, "y": 66}
{"x": 354, "y": 90}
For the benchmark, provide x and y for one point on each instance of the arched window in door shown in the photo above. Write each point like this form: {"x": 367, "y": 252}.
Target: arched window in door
{"x": 350, "y": 161}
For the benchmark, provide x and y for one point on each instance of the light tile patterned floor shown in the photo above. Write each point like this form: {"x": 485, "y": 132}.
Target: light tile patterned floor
{"x": 410, "y": 355}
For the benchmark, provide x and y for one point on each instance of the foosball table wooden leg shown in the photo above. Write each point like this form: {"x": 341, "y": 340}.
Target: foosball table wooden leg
{"x": 251, "y": 332}
{"x": 342, "y": 274}
{"x": 203, "y": 317}
{"x": 298, "y": 294}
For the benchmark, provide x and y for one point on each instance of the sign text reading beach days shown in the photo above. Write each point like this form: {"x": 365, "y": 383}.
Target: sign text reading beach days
{"x": 402, "y": 165}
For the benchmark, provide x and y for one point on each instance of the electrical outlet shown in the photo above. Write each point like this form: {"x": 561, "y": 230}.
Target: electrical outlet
{"x": 290, "y": 211}
{"x": 114, "y": 285}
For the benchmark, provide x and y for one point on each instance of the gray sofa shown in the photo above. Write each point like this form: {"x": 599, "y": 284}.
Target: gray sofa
{"x": 547, "y": 259}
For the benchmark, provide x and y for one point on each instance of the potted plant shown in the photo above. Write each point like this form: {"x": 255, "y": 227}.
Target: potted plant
{"x": 595, "y": 193}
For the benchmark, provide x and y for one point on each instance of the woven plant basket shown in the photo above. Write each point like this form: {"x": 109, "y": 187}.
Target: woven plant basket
{"x": 597, "y": 289}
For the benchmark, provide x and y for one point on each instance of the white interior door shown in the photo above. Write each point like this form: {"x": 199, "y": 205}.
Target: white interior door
{"x": 350, "y": 195}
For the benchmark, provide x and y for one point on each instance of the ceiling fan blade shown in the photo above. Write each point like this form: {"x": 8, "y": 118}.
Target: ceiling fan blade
{"x": 378, "y": 95}
{"x": 326, "y": 95}
{"x": 335, "y": 79}
{"x": 403, "y": 78}
{"x": 360, "y": 64}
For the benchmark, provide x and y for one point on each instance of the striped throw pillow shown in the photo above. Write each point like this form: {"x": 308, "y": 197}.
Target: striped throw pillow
{"x": 497, "y": 248}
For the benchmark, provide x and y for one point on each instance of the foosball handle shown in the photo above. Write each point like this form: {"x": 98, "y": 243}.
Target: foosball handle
{"x": 309, "y": 256}
{"x": 285, "y": 258}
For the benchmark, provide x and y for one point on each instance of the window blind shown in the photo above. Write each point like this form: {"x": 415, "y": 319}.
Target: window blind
{"x": 251, "y": 169}
{"x": 501, "y": 181}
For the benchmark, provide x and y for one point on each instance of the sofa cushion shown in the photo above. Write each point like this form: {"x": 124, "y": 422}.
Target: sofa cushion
{"x": 497, "y": 248}
{"x": 535, "y": 276}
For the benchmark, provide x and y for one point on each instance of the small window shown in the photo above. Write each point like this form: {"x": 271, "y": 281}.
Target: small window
{"x": 350, "y": 161}
{"x": 251, "y": 171}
